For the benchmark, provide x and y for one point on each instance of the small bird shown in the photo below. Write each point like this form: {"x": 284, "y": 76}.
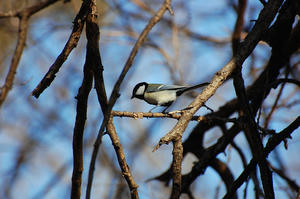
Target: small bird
{"x": 160, "y": 94}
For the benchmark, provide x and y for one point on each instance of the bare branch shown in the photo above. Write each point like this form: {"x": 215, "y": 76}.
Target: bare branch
{"x": 121, "y": 159}
{"x": 93, "y": 36}
{"x": 81, "y": 112}
{"x": 172, "y": 115}
{"x": 22, "y": 34}
{"x": 176, "y": 168}
{"x": 70, "y": 45}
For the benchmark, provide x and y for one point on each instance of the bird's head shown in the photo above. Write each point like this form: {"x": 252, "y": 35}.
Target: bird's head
{"x": 139, "y": 90}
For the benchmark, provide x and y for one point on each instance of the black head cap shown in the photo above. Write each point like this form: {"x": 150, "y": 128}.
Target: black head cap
{"x": 139, "y": 90}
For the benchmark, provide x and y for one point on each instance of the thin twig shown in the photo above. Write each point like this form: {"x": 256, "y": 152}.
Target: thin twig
{"x": 141, "y": 115}
{"x": 292, "y": 183}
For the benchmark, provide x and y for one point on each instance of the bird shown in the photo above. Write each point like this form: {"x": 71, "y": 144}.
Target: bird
{"x": 161, "y": 94}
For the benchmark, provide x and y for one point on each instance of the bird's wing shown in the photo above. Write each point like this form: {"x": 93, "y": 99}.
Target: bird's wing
{"x": 162, "y": 87}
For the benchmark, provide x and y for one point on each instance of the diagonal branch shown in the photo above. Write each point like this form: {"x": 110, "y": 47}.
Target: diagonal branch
{"x": 121, "y": 159}
{"x": 22, "y": 34}
{"x": 70, "y": 45}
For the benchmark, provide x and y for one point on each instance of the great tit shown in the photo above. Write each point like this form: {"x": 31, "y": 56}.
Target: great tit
{"x": 160, "y": 94}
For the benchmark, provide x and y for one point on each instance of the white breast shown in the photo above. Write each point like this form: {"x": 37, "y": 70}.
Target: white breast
{"x": 161, "y": 97}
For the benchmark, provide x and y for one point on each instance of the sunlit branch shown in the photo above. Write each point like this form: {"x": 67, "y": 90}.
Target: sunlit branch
{"x": 121, "y": 159}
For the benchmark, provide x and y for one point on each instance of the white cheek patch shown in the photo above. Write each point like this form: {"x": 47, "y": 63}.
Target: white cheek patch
{"x": 140, "y": 90}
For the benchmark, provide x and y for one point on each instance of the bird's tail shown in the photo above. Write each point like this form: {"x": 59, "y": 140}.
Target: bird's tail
{"x": 191, "y": 88}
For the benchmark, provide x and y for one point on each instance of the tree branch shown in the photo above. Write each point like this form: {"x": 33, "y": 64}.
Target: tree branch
{"x": 176, "y": 168}
{"x": 93, "y": 36}
{"x": 81, "y": 112}
{"x": 121, "y": 159}
{"x": 141, "y": 115}
{"x": 70, "y": 45}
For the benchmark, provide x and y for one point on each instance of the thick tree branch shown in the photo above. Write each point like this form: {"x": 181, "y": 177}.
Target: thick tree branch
{"x": 176, "y": 168}
{"x": 93, "y": 36}
{"x": 81, "y": 112}
{"x": 208, "y": 155}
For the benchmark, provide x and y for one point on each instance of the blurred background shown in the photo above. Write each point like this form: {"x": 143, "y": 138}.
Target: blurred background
{"x": 186, "y": 49}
